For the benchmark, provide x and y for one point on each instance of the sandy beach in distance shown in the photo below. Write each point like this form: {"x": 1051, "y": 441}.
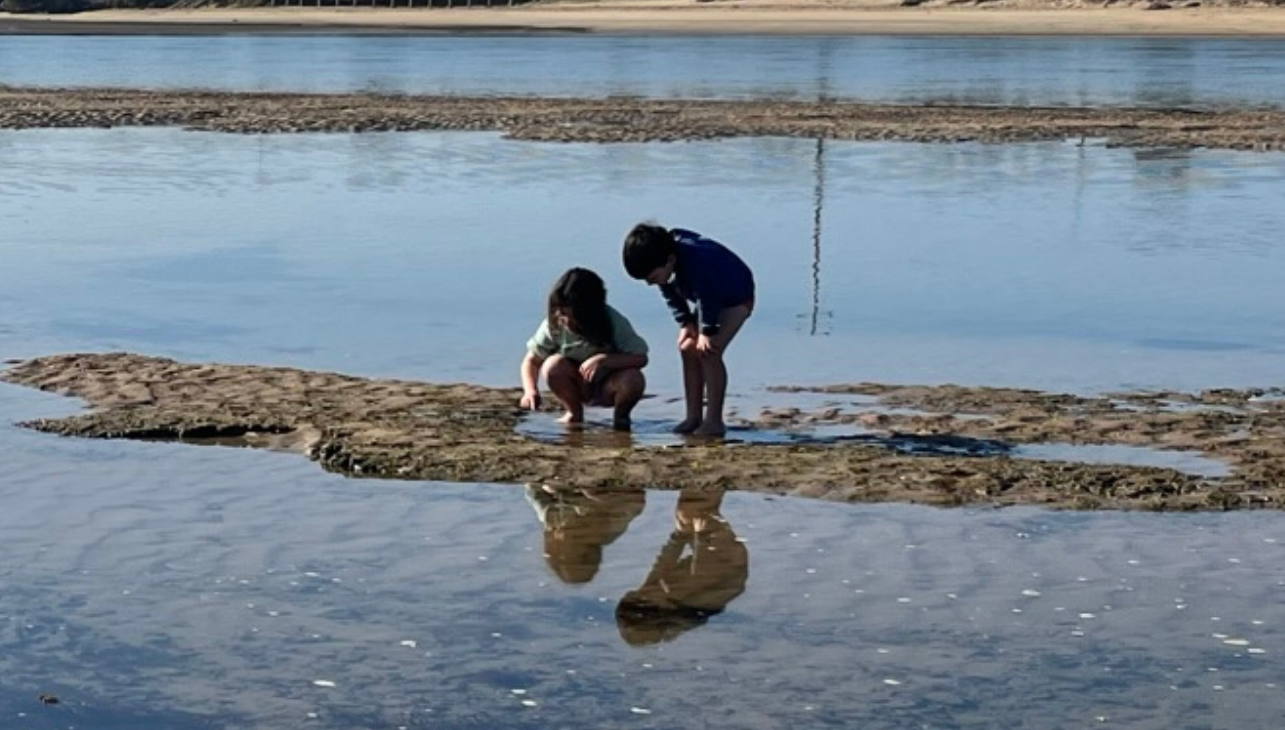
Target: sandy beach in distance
{"x": 1004, "y": 17}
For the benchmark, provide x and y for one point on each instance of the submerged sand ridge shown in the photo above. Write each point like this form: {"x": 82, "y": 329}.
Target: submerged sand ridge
{"x": 638, "y": 120}
{"x": 466, "y": 433}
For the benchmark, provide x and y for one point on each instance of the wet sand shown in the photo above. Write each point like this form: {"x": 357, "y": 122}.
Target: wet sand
{"x": 795, "y": 17}
{"x": 466, "y": 433}
{"x": 637, "y": 120}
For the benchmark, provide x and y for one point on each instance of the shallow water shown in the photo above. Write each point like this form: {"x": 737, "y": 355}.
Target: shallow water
{"x": 1149, "y": 72}
{"x": 653, "y": 423}
{"x": 429, "y": 255}
{"x": 173, "y": 587}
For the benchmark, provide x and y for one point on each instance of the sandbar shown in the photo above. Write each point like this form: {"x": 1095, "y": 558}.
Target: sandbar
{"x": 788, "y": 17}
{"x": 608, "y": 120}
{"x": 942, "y": 445}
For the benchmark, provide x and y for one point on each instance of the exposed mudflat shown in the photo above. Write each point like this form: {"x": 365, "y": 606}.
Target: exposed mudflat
{"x": 638, "y": 120}
{"x": 959, "y": 438}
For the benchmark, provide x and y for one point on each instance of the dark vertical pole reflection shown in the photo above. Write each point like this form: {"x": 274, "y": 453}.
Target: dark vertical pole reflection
{"x": 1081, "y": 179}
{"x": 825, "y": 62}
{"x": 818, "y": 197}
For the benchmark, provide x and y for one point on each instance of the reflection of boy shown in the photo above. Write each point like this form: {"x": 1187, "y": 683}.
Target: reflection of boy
{"x": 685, "y": 588}
{"x": 579, "y": 524}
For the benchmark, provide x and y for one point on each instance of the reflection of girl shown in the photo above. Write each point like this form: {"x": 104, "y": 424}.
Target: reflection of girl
{"x": 697, "y": 573}
{"x": 587, "y": 352}
{"x": 579, "y": 524}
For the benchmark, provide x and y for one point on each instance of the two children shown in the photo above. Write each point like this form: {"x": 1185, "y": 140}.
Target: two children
{"x": 589, "y": 353}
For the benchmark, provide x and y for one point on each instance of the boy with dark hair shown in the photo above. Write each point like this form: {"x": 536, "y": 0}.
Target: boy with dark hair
{"x": 691, "y": 269}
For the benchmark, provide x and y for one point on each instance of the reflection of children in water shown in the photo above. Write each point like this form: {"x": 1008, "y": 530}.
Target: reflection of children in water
{"x": 698, "y": 572}
{"x": 579, "y": 524}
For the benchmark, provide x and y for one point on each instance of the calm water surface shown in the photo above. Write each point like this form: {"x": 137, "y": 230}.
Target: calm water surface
{"x": 154, "y": 586}
{"x": 170, "y": 587}
{"x": 430, "y": 255}
{"x": 174, "y": 587}
{"x": 1042, "y": 71}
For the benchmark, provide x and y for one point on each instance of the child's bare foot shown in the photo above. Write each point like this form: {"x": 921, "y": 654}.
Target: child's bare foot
{"x": 711, "y": 429}
{"x": 570, "y": 418}
{"x": 688, "y": 425}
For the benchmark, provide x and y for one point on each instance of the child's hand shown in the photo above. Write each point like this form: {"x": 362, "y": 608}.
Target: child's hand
{"x": 707, "y": 345}
{"x": 589, "y": 368}
{"x": 530, "y": 400}
{"x": 685, "y": 333}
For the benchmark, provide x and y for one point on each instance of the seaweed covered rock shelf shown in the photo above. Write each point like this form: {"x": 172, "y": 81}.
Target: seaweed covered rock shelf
{"x": 639, "y": 120}
{"x": 467, "y": 433}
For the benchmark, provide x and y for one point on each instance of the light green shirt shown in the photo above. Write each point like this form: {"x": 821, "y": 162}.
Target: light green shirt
{"x": 569, "y": 344}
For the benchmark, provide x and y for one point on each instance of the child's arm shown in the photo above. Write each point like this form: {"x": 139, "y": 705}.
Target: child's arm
{"x": 530, "y": 374}
{"x": 677, "y": 304}
{"x": 540, "y": 346}
{"x": 618, "y": 360}
{"x": 710, "y": 295}
{"x": 613, "y": 361}
{"x": 709, "y": 309}
{"x": 630, "y": 349}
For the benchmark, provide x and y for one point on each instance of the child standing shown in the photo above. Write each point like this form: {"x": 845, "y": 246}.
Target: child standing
{"x": 690, "y": 268}
{"x": 587, "y": 352}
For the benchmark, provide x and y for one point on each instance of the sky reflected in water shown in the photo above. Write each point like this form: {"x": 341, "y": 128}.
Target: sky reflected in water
{"x": 430, "y": 255}
{"x": 161, "y": 586}
{"x": 173, "y": 587}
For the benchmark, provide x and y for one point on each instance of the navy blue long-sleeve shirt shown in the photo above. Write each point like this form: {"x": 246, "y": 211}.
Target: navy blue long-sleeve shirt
{"x": 708, "y": 274}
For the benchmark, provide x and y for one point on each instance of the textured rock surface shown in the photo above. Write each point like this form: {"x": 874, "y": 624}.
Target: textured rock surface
{"x": 466, "y": 433}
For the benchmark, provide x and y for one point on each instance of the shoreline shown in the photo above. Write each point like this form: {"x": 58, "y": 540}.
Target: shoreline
{"x": 682, "y": 17}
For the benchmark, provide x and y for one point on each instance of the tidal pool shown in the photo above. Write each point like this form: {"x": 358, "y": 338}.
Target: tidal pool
{"x": 164, "y": 586}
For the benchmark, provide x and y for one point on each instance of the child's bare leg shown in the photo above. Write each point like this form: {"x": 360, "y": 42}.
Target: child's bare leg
{"x": 624, "y": 388}
{"x": 564, "y": 379}
{"x": 715, "y": 391}
{"x": 714, "y": 369}
{"x": 693, "y": 385}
